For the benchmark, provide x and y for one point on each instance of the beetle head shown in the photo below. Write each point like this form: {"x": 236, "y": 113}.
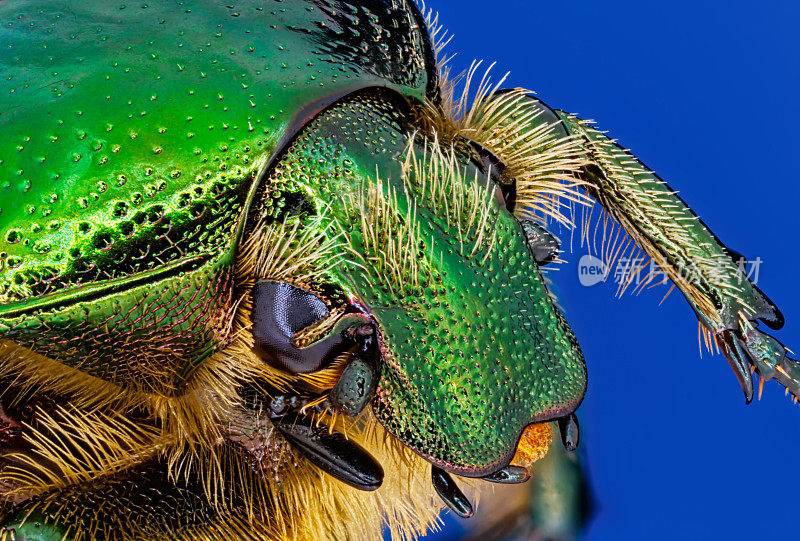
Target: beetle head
{"x": 473, "y": 347}
{"x": 419, "y": 235}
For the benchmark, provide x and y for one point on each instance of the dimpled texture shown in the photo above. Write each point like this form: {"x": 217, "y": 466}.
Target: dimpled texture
{"x": 132, "y": 137}
{"x": 479, "y": 351}
{"x": 486, "y": 353}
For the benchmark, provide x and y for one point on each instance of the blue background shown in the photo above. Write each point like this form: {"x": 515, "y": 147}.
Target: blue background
{"x": 706, "y": 95}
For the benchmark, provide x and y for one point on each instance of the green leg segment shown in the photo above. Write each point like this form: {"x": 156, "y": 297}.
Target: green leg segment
{"x": 708, "y": 274}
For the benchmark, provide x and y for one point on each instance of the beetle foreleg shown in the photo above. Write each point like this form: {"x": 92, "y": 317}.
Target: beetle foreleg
{"x": 332, "y": 452}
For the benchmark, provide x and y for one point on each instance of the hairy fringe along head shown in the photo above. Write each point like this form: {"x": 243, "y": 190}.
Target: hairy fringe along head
{"x": 439, "y": 180}
{"x": 280, "y": 496}
{"x": 543, "y": 162}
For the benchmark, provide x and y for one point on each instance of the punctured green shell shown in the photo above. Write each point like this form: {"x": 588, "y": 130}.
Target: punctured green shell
{"x": 133, "y": 135}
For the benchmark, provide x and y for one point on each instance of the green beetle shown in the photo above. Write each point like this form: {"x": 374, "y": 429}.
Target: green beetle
{"x": 261, "y": 265}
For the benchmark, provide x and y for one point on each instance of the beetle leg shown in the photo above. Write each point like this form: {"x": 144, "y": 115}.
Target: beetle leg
{"x": 709, "y": 275}
{"x": 732, "y": 347}
{"x": 570, "y": 433}
{"x": 543, "y": 244}
{"x": 509, "y": 475}
{"x": 281, "y": 311}
{"x": 332, "y": 452}
{"x": 449, "y": 492}
{"x": 766, "y": 353}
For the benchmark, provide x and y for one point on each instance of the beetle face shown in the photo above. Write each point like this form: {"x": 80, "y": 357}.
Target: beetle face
{"x": 479, "y": 355}
{"x": 473, "y": 348}
{"x": 123, "y": 232}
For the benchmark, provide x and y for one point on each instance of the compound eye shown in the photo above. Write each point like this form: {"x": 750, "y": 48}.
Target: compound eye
{"x": 281, "y": 311}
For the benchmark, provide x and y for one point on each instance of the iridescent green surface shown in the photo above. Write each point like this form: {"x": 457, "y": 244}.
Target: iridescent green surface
{"x": 37, "y": 528}
{"x": 475, "y": 353}
{"x": 130, "y": 161}
{"x": 142, "y": 142}
{"x": 132, "y": 135}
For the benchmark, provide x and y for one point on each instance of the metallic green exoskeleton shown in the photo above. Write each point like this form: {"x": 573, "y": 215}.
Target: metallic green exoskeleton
{"x": 202, "y": 204}
{"x": 133, "y": 140}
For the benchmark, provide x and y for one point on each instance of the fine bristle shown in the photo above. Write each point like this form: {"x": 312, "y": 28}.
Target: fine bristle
{"x": 439, "y": 35}
{"x": 71, "y": 447}
{"x": 188, "y": 419}
{"x": 627, "y": 262}
{"x": 289, "y": 251}
{"x": 438, "y": 180}
{"x": 385, "y": 242}
{"x": 628, "y": 189}
{"x": 31, "y": 373}
{"x": 310, "y": 504}
{"x": 543, "y": 163}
